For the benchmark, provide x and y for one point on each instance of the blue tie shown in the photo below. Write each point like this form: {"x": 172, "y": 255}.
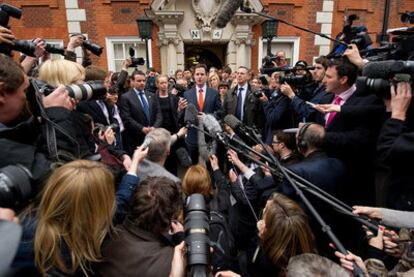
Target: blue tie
{"x": 145, "y": 106}
{"x": 239, "y": 104}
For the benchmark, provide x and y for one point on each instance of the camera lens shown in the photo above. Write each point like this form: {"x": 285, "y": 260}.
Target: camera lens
{"x": 15, "y": 186}
{"x": 88, "y": 90}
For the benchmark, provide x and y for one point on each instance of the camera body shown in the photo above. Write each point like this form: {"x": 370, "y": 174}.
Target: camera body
{"x": 135, "y": 61}
{"x": 102, "y": 128}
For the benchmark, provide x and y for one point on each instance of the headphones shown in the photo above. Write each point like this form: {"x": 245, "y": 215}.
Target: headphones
{"x": 302, "y": 131}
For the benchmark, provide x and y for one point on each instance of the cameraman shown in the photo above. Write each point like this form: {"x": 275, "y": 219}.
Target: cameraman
{"x": 395, "y": 149}
{"x": 276, "y": 109}
{"x": 18, "y": 136}
{"x": 303, "y": 110}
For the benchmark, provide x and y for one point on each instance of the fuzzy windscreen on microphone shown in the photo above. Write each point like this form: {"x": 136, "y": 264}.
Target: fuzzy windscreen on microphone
{"x": 227, "y": 12}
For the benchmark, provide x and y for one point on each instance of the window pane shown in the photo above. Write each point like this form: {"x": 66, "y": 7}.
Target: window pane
{"x": 118, "y": 51}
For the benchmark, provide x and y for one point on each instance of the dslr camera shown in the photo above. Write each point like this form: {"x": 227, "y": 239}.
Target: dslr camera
{"x": 135, "y": 62}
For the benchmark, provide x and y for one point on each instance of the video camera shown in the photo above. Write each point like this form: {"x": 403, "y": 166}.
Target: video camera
{"x": 135, "y": 61}
{"x": 196, "y": 235}
{"x": 357, "y": 35}
{"x": 298, "y": 76}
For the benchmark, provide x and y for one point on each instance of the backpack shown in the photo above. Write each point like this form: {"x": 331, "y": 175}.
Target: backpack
{"x": 222, "y": 241}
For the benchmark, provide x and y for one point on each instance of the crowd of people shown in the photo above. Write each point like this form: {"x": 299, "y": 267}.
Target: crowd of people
{"x": 109, "y": 176}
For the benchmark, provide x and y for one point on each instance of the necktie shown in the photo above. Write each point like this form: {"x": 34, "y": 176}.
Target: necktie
{"x": 332, "y": 114}
{"x": 145, "y": 106}
{"x": 200, "y": 100}
{"x": 239, "y": 108}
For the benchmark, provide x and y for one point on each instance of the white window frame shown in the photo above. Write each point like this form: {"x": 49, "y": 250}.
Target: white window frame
{"x": 295, "y": 51}
{"x": 110, "y": 53}
{"x": 55, "y": 42}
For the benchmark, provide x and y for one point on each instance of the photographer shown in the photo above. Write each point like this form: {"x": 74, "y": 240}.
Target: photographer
{"x": 303, "y": 109}
{"x": 143, "y": 243}
{"x": 395, "y": 149}
{"x": 19, "y": 135}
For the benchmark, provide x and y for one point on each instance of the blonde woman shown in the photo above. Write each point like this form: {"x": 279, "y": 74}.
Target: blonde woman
{"x": 56, "y": 72}
{"x": 78, "y": 207}
{"x": 214, "y": 81}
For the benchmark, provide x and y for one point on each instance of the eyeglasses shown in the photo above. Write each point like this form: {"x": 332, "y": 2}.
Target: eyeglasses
{"x": 276, "y": 142}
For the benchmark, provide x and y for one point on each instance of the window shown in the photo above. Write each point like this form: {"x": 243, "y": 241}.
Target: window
{"x": 57, "y": 43}
{"x": 118, "y": 50}
{"x": 288, "y": 44}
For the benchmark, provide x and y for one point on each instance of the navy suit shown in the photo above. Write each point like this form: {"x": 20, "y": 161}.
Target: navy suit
{"x": 305, "y": 111}
{"x": 212, "y": 105}
{"x": 328, "y": 174}
{"x": 134, "y": 118}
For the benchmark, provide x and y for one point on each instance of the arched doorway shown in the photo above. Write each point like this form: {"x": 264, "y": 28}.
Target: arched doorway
{"x": 211, "y": 55}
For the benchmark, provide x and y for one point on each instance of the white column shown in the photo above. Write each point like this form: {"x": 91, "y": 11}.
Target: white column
{"x": 74, "y": 17}
{"x": 172, "y": 58}
{"x": 325, "y": 18}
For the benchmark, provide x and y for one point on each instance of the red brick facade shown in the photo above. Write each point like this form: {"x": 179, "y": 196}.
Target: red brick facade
{"x": 47, "y": 19}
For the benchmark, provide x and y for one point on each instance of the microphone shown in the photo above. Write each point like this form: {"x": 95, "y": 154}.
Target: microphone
{"x": 147, "y": 142}
{"x": 236, "y": 125}
{"x": 183, "y": 157}
{"x": 212, "y": 125}
{"x": 226, "y": 12}
{"x": 190, "y": 115}
{"x": 386, "y": 69}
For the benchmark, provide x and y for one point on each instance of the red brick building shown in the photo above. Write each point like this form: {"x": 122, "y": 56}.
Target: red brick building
{"x": 183, "y": 33}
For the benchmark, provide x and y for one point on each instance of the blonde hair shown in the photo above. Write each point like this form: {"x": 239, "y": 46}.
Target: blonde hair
{"x": 76, "y": 210}
{"x": 210, "y": 78}
{"x": 56, "y": 72}
{"x": 197, "y": 180}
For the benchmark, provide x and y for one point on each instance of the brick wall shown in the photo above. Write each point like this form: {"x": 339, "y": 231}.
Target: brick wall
{"x": 47, "y": 19}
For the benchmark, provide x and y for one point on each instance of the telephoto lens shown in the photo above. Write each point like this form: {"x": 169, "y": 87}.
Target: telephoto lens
{"x": 96, "y": 49}
{"x": 87, "y": 90}
{"x": 196, "y": 235}
{"x": 15, "y": 185}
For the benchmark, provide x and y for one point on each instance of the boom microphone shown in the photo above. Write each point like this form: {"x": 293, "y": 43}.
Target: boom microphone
{"x": 227, "y": 12}
{"x": 190, "y": 115}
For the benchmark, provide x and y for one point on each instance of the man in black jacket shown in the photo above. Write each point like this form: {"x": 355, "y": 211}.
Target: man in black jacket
{"x": 241, "y": 101}
{"x": 140, "y": 112}
{"x": 396, "y": 149}
{"x": 19, "y": 135}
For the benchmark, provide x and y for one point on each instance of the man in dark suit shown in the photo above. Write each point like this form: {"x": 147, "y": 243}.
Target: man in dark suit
{"x": 206, "y": 100}
{"x": 241, "y": 101}
{"x": 327, "y": 173}
{"x": 352, "y": 124}
{"x": 140, "y": 111}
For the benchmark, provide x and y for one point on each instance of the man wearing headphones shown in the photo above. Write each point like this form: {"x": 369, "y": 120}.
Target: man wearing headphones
{"x": 327, "y": 173}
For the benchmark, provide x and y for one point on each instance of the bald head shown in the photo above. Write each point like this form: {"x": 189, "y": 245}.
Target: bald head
{"x": 313, "y": 136}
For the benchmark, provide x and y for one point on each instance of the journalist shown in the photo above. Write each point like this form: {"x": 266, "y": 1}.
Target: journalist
{"x": 63, "y": 233}
{"x": 20, "y": 134}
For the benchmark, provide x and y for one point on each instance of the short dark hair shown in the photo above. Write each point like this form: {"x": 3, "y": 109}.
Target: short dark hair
{"x": 227, "y": 69}
{"x": 288, "y": 139}
{"x": 93, "y": 72}
{"x": 345, "y": 68}
{"x": 201, "y": 65}
{"x": 156, "y": 201}
{"x": 137, "y": 72}
{"x": 11, "y": 74}
{"x": 323, "y": 60}
{"x": 224, "y": 84}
